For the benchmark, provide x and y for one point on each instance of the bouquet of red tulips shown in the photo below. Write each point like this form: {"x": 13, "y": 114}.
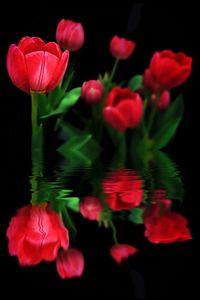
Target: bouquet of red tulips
{"x": 139, "y": 113}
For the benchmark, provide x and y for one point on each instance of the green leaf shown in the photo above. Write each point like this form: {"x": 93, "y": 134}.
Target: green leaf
{"x": 73, "y": 203}
{"x": 136, "y": 215}
{"x": 169, "y": 123}
{"x": 135, "y": 83}
{"x": 67, "y": 101}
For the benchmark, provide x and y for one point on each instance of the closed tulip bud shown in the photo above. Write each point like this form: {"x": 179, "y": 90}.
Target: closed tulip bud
{"x": 70, "y": 263}
{"x": 91, "y": 208}
{"x": 92, "y": 91}
{"x": 121, "y": 48}
{"x": 70, "y": 35}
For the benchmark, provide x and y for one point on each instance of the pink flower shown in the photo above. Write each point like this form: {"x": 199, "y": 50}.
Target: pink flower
{"x": 70, "y": 263}
{"x": 34, "y": 66}
{"x": 121, "y": 48}
{"x": 36, "y": 233}
{"x": 121, "y": 252}
{"x": 92, "y": 91}
{"x": 70, "y": 35}
{"x": 90, "y": 208}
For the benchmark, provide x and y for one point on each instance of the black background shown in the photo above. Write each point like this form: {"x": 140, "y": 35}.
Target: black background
{"x": 166, "y": 271}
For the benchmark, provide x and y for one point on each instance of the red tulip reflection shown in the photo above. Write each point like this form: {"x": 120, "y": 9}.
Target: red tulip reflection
{"x": 36, "y": 233}
{"x": 163, "y": 225}
{"x": 123, "y": 189}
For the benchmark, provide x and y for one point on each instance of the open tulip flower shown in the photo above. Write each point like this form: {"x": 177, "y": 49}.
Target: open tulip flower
{"x": 35, "y": 66}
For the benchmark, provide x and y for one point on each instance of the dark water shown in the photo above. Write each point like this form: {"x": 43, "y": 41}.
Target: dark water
{"x": 157, "y": 271}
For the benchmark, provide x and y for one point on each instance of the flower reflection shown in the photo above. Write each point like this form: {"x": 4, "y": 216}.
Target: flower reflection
{"x": 164, "y": 226}
{"x": 36, "y": 233}
{"x": 123, "y": 190}
{"x": 133, "y": 195}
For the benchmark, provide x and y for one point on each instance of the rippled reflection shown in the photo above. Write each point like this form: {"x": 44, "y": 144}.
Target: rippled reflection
{"x": 138, "y": 191}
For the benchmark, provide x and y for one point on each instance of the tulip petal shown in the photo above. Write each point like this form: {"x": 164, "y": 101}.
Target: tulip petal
{"x": 113, "y": 117}
{"x": 59, "y": 71}
{"x": 28, "y": 44}
{"x": 17, "y": 68}
{"x": 41, "y": 68}
{"x": 131, "y": 110}
{"x": 53, "y": 48}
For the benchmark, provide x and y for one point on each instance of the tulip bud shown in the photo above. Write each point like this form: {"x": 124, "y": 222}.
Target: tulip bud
{"x": 122, "y": 251}
{"x": 92, "y": 91}
{"x": 70, "y": 35}
{"x": 163, "y": 101}
{"x": 121, "y": 48}
{"x": 70, "y": 263}
{"x": 91, "y": 208}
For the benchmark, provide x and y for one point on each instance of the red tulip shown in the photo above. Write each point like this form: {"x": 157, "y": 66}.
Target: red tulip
{"x": 123, "y": 109}
{"x": 170, "y": 69}
{"x": 70, "y": 263}
{"x": 150, "y": 82}
{"x": 123, "y": 190}
{"x": 121, "y": 48}
{"x": 92, "y": 91}
{"x": 91, "y": 208}
{"x": 36, "y": 233}
{"x": 122, "y": 251}
{"x": 164, "y": 226}
{"x": 70, "y": 35}
{"x": 163, "y": 102}
{"x": 34, "y": 66}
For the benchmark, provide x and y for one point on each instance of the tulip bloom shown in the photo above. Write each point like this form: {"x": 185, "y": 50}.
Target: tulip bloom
{"x": 123, "y": 109}
{"x": 90, "y": 208}
{"x": 34, "y": 66}
{"x": 92, "y": 91}
{"x": 163, "y": 101}
{"x": 121, "y": 252}
{"x": 123, "y": 190}
{"x": 164, "y": 226}
{"x": 70, "y": 35}
{"x": 36, "y": 233}
{"x": 70, "y": 263}
{"x": 170, "y": 69}
{"x": 121, "y": 48}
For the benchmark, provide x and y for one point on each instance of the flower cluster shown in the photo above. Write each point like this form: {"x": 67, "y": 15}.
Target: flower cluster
{"x": 138, "y": 115}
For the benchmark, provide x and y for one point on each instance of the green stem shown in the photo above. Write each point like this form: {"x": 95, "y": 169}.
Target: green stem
{"x": 112, "y": 226}
{"x": 114, "y": 70}
{"x": 143, "y": 118}
{"x": 36, "y": 149}
{"x": 153, "y": 113}
{"x": 34, "y": 118}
